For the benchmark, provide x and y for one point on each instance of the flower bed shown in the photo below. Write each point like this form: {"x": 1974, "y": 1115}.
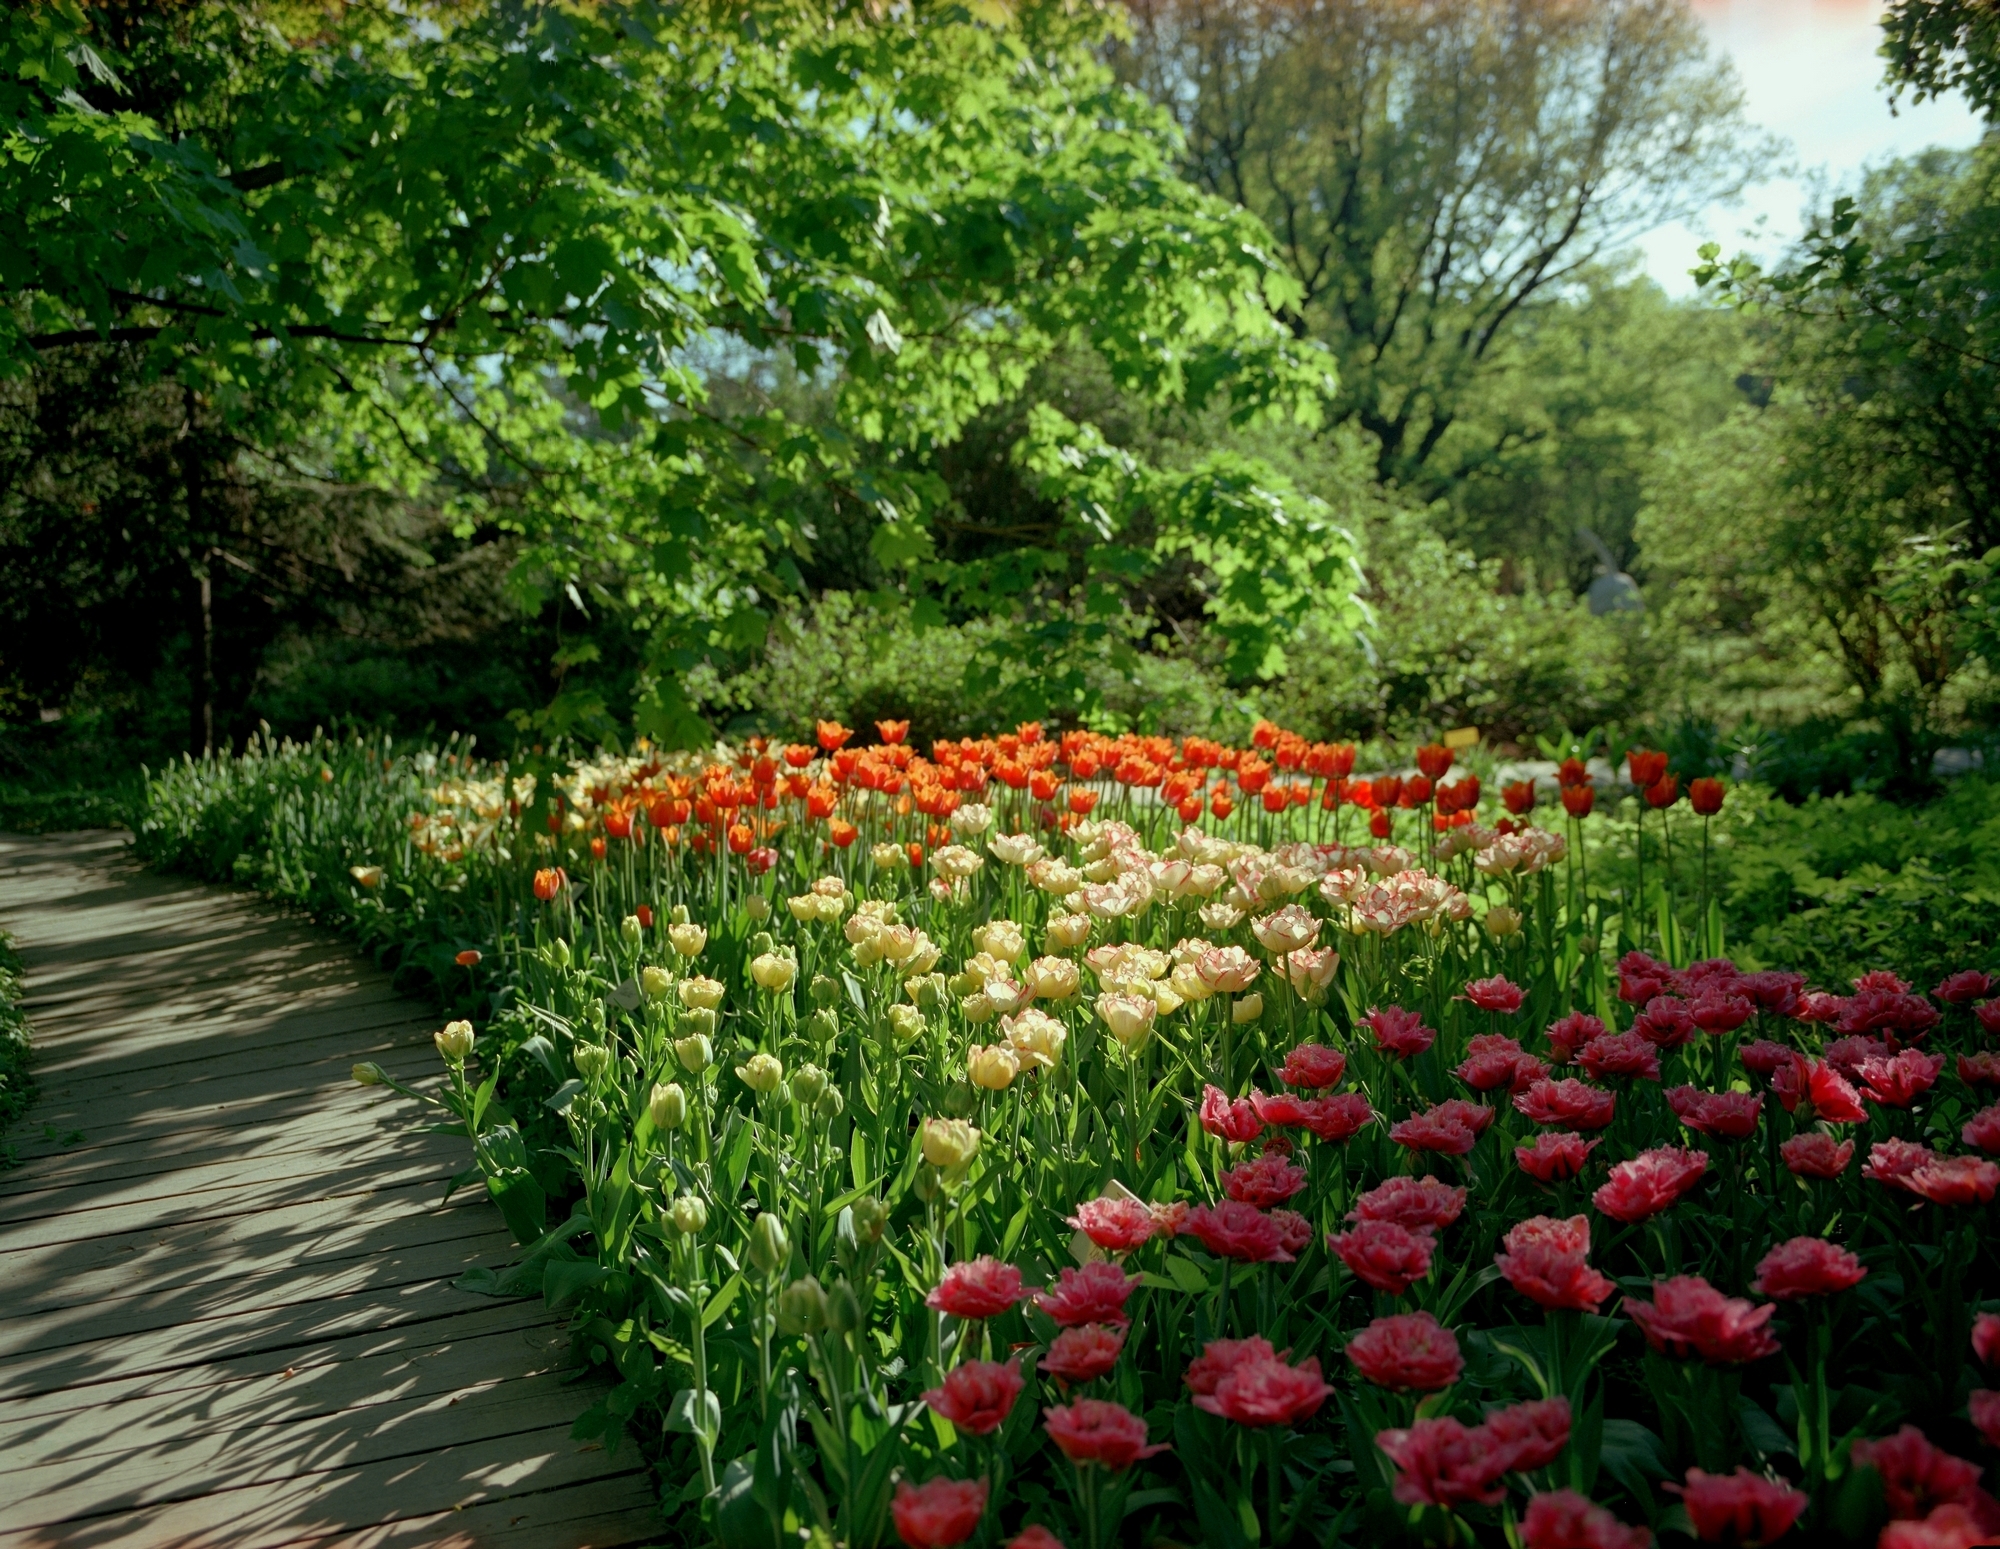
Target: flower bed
{"x": 1089, "y": 1140}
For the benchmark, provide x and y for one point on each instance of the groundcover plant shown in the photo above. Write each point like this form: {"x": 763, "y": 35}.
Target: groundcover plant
{"x": 1088, "y": 1140}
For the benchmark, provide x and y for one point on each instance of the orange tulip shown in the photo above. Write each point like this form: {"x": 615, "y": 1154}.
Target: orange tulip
{"x": 1705, "y": 795}
{"x": 549, "y": 881}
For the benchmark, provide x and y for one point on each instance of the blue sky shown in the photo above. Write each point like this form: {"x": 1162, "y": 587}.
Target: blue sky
{"x": 1810, "y": 74}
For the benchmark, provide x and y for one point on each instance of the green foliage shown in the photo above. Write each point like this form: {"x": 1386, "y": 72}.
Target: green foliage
{"x": 503, "y": 258}
{"x": 1441, "y": 180}
{"x": 17, "y": 1083}
{"x": 1837, "y": 885}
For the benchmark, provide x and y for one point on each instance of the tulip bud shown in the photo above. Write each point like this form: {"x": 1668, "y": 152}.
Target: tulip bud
{"x": 758, "y": 907}
{"x": 928, "y": 1184}
{"x": 687, "y": 940}
{"x": 822, "y": 1027}
{"x": 831, "y": 1104}
{"x": 699, "y": 1023}
{"x": 690, "y": 1215}
{"x": 906, "y": 1022}
{"x": 843, "y": 1308}
{"x": 761, "y": 1073}
{"x": 631, "y": 932}
{"x": 773, "y": 972}
{"x": 825, "y": 992}
{"x": 808, "y": 1082}
{"x": 960, "y": 1099}
{"x": 926, "y": 991}
{"x": 368, "y": 1073}
{"x": 1587, "y": 945}
{"x": 993, "y": 1068}
{"x": 694, "y": 1052}
{"x": 769, "y": 1246}
{"x": 592, "y": 1060}
{"x": 701, "y": 993}
{"x": 1248, "y": 1008}
{"x": 949, "y": 1142}
{"x": 1502, "y": 922}
{"x": 667, "y": 1107}
{"x": 678, "y": 915}
{"x": 802, "y": 1307}
{"x": 455, "y": 1042}
{"x": 871, "y": 1219}
{"x": 655, "y": 982}
{"x": 558, "y": 954}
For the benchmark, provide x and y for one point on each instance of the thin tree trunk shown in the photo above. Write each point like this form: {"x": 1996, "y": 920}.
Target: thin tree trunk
{"x": 201, "y": 593}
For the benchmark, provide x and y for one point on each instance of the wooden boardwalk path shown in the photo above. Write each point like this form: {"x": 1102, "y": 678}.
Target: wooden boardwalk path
{"x": 226, "y": 1310}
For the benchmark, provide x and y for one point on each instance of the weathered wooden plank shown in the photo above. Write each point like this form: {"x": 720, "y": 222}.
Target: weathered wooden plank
{"x": 195, "y": 1387}
{"x": 323, "y": 1504}
{"x": 183, "y": 1307}
{"x": 180, "y": 1467}
{"x": 223, "y": 1398}
{"x": 231, "y": 1320}
{"x": 263, "y": 1331}
{"x": 61, "y": 1275}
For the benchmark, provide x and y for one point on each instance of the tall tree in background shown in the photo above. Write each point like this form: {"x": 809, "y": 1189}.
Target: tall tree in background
{"x": 1438, "y": 173}
{"x": 494, "y": 252}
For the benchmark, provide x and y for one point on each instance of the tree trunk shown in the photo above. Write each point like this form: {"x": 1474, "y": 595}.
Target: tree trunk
{"x": 201, "y": 592}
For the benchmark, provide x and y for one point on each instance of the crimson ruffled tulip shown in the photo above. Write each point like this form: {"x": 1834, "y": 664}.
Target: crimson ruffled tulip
{"x": 938, "y": 1513}
{"x": 1816, "y": 1154}
{"x": 1264, "y": 1181}
{"x": 1555, "y": 1157}
{"x": 1219, "y": 1357}
{"x": 1666, "y": 1023}
{"x": 1035, "y": 1537}
{"x": 1981, "y": 1069}
{"x": 1384, "y": 1255}
{"x": 1096, "y": 1293}
{"x": 1983, "y": 1407}
{"x": 1688, "y": 1316}
{"x": 1084, "y": 1354}
{"x": 1955, "y": 1180}
{"x": 978, "y": 1288}
{"x": 1546, "y": 1261}
{"x": 1806, "y": 1266}
{"x": 1313, "y": 1066}
{"x": 1569, "y": 1104}
{"x": 1095, "y": 1430}
{"x": 1498, "y": 994}
{"x": 1900, "y": 1080}
{"x": 1421, "y": 1204}
{"x": 1739, "y": 1508}
{"x": 1116, "y": 1225}
{"x": 1986, "y": 1338}
{"x": 1617, "y": 1055}
{"x": 1947, "y": 1527}
{"x": 1649, "y": 1183}
{"x": 1916, "y": 1476}
{"x": 1408, "y": 1353}
{"x": 1725, "y": 1115}
{"x": 1571, "y": 1033}
{"x": 1833, "y": 1099}
{"x": 1228, "y": 1120}
{"x": 1444, "y": 1462}
{"x": 1267, "y": 1392}
{"x": 977, "y": 1396}
{"x": 1399, "y": 1032}
{"x": 1761, "y": 1057}
{"x": 1988, "y": 1012}
{"x": 1490, "y": 1063}
{"x": 1982, "y": 1130}
{"x": 1336, "y": 1117}
{"x": 1964, "y": 987}
{"x": 1235, "y": 1231}
{"x": 1533, "y": 1434}
{"x": 1562, "y": 1519}
{"x": 1442, "y": 1129}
